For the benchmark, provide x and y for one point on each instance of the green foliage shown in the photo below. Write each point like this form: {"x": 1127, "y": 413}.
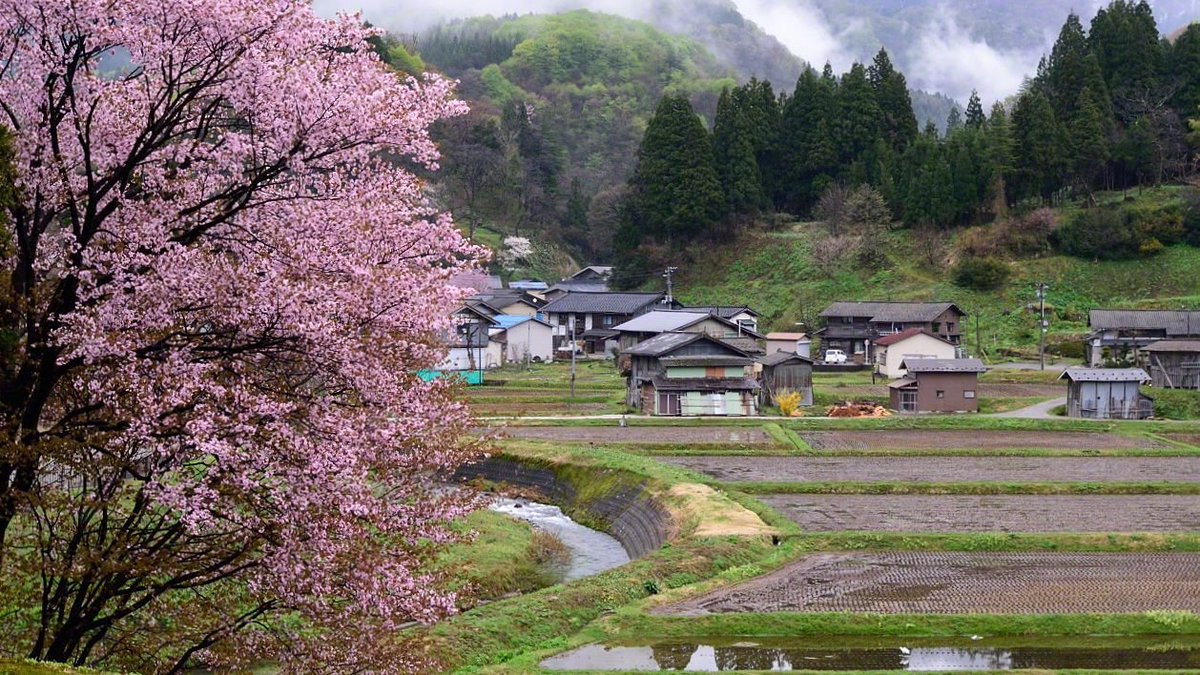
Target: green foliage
{"x": 981, "y": 274}
{"x": 1176, "y": 404}
{"x": 1100, "y": 234}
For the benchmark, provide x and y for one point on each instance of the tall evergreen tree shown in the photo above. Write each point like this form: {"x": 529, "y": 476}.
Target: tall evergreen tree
{"x": 674, "y": 190}
{"x": 1087, "y": 143}
{"x": 975, "y": 118}
{"x": 1066, "y": 70}
{"x": 998, "y": 157}
{"x": 1125, "y": 38}
{"x": 891, "y": 95}
{"x": 806, "y": 145}
{"x": 1037, "y": 144}
{"x": 733, "y": 153}
{"x": 954, "y": 120}
{"x": 1184, "y": 71}
{"x": 858, "y": 115}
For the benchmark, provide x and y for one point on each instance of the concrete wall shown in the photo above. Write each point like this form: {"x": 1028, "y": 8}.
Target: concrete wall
{"x": 531, "y": 337}
{"x": 628, "y": 512}
{"x": 918, "y": 346}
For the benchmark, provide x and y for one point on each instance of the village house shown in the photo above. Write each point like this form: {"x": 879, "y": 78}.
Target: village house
{"x": 513, "y": 302}
{"x": 913, "y": 343}
{"x": 1117, "y": 333}
{"x": 590, "y": 279}
{"x": 937, "y": 385}
{"x": 690, "y": 374}
{"x": 854, "y": 326}
{"x": 472, "y": 346}
{"x": 591, "y": 317}
{"x": 691, "y": 320}
{"x": 1107, "y": 393}
{"x": 741, "y": 315}
{"x": 795, "y": 343}
{"x": 1174, "y": 364}
{"x": 785, "y": 372}
{"x": 526, "y": 338}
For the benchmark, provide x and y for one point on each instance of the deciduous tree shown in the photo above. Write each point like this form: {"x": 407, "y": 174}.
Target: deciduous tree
{"x": 222, "y": 285}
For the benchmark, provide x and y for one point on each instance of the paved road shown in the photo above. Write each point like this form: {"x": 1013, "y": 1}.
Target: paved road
{"x": 990, "y": 513}
{"x": 959, "y": 583}
{"x": 944, "y": 469}
{"x": 1039, "y": 411}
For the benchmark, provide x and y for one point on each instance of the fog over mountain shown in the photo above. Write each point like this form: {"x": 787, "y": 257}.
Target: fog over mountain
{"x": 942, "y": 45}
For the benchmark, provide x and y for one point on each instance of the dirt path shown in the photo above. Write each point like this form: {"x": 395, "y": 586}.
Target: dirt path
{"x": 1038, "y": 411}
{"x": 990, "y": 513}
{"x": 982, "y": 440}
{"x": 645, "y": 435}
{"x": 958, "y": 583}
{"x": 944, "y": 469}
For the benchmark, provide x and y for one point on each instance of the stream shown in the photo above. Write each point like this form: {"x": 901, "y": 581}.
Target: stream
{"x": 592, "y": 552}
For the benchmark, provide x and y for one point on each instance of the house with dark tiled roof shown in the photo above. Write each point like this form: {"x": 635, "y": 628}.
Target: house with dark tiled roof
{"x": 1120, "y": 333}
{"x": 911, "y": 343}
{"x": 691, "y": 320}
{"x": 854, "y": 326}
{"x": 591, "y": 317}
{"x": 937, "y": 385}
{"x": 739, "y": 314}
{"x": 677, "y": 373}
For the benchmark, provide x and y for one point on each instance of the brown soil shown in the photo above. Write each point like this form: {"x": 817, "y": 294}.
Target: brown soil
{"x": 518, "y": 408}
{"x": 1189, "y": 439}
{"x": 959, "y": 583}
{"x": 944, "y": 469}
{"x": 645, "y": 435}
{"x": 982, "y": 440}
{"x": 990, "y": 513}
{"x": 986, "y": 390}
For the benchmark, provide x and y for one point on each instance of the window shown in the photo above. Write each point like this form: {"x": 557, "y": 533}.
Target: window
{"x": 969, "y": 394}
{"x": 941, "y": 394}
{"x": 607, "y": 320}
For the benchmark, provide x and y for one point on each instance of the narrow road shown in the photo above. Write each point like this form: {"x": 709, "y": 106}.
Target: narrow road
{"x": 1040, "y": 411}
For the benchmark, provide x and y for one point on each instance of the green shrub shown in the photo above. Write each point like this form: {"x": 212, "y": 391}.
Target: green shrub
{"x": 1191, "y": 218}
{"x": 1176, "y": 404}
{"x": 1161, "y": 222}
{"x": 981, "y": 274}
{"x": 1100, "y": 234}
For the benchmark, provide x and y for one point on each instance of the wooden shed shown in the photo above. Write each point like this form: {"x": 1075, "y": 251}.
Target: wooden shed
{"x": 786, "y": 371}
{"x": 1174, "y": 364}
{"x": 1107, "y": 393}
{"x": 937, "y": 385}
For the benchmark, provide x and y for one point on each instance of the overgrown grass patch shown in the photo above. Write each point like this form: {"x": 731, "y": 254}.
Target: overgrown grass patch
{"x": 1176, "y": 404}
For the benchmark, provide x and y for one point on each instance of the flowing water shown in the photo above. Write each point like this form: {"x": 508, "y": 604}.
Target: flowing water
{"x": 1153, "y": 653}
{"x": 592, "y": 552}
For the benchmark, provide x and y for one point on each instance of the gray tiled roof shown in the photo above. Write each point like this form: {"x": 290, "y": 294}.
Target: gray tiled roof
{"x": 781, "y": 357}
{"x": 1174, "y": 322}
{"x": 1105, "y": 375}
{"x": 602, "y": 303}
{"x": 725, "y": 312}
{"x": 898, "y": 312}
{"x": 665, "y": 343}
{"x": 1174, "y": 346}
{"x": 943, "y": 366}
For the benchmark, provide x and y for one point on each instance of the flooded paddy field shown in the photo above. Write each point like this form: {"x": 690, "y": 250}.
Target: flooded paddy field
{"x": 979, "y": 440}
{"x": 944, "y": 469}
{"x": 990, "y": 513}
{"x": 964, "y": 583}
{"x": 841, "y": 653}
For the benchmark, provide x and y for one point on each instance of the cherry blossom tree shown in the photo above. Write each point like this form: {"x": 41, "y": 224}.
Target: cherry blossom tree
{"x": 221, "y": 280}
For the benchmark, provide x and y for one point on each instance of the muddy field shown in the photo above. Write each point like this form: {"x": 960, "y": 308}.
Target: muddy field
{"x": 981, "y": 440}
{"x": 945, "y": 469}
{"x": 960, "y": 583}
{"x": 990, "y": 513}
{"x": 986, "y": 390}
{"x": 645, "y": 435}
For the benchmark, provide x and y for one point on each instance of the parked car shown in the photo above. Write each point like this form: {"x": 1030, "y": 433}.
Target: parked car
{"x": 567, "y": 348}
{"x": 835, "y": 356}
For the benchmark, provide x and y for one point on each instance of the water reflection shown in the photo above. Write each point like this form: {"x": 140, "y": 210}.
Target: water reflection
{"x": 1141, "y": 653}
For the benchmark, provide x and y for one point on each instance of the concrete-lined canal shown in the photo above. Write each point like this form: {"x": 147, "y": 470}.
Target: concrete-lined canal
{"x": 592, "y": 552}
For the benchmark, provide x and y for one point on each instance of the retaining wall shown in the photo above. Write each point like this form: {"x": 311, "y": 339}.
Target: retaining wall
{"x": 627, "y": 511}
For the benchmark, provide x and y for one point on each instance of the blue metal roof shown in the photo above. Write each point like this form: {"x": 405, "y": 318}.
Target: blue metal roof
{"x": 507, "y": 321}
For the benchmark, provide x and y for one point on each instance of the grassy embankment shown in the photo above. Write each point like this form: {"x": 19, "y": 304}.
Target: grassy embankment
{"x": 774, "y": 272}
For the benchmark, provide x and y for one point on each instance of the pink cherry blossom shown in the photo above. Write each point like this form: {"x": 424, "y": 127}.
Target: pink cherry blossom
{"x": 225, "y": 276}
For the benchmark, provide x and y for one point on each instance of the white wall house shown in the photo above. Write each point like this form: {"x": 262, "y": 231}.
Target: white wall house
{"x": 526, "y": 338}
{"x": 914, "y": 343}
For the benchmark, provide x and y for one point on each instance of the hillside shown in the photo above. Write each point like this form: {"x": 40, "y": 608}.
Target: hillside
{"x": 776, "y": 272}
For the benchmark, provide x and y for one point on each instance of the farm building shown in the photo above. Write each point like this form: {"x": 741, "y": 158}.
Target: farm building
{"x": 796, "y": 343}
{"x": 526, "y": 338}
{"x": 1107, "y": 393}
{"x": 1120, "y": 332}
{"x": 786, "y": 371}
{"x": 1174, "y": 364}
{"x": 690, "y": 374}
{"x": 912, "y": 343}
{"x": 937, "y": 385}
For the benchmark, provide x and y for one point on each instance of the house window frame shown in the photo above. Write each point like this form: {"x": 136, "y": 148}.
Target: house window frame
{"x": 941, "y": 394}
{"x": 969, "y": 394}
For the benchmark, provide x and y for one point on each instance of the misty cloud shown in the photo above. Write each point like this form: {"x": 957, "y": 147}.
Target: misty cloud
{"x": 947, "y": 59}
{"x": 802, "y": 29}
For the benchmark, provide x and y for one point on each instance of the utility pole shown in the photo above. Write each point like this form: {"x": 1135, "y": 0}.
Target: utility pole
{"x": 574, "y": 346}
{"x": 1042, "y": 323}
{"x": 667, "y": 275}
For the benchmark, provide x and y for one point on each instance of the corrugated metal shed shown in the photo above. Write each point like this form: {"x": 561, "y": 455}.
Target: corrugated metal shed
{"x": 602, "y": 303}
{"x": 943, "y": 366}
{"x": 1105, "y": 375}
